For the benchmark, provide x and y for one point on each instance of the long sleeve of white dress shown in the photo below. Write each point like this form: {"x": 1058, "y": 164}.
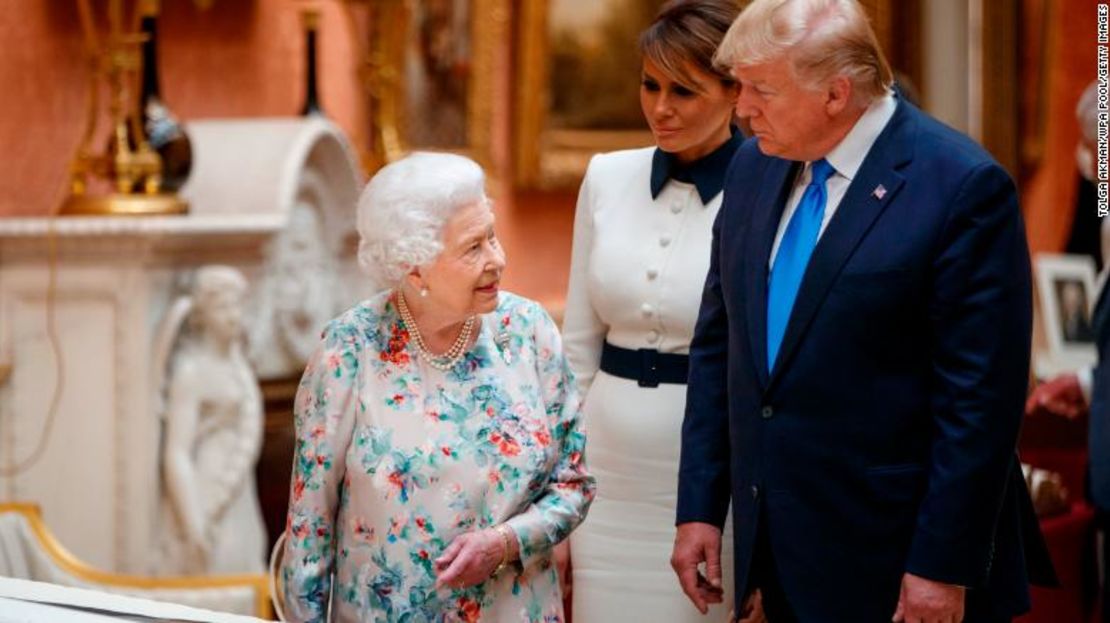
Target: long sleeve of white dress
{"x": 583, "y": 330}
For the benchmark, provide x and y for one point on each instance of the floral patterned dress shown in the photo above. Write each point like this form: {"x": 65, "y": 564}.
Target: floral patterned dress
{"x": 395, "y": 458}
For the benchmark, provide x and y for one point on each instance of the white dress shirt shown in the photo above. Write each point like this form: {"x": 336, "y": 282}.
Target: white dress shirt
{"x": 846, "y": 159}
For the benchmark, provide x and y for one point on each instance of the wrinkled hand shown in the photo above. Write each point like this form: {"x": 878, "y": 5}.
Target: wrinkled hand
{"x": 561, "y": 558}
{"x": 926, "y": 601}
{"x": 470, "y": 559}
{"x": 694, "y": 544}
{"x": 1061, "y": 396}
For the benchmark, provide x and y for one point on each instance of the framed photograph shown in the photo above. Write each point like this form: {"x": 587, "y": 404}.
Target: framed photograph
{"x": 578, "y": 81}
{"x": 1066, "y": 293}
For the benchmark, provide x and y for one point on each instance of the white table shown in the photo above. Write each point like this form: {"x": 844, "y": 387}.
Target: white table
{"x": 24, "y": 601}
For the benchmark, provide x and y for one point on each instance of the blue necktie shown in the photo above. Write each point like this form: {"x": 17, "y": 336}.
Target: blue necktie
{"x": 790, "y": 263}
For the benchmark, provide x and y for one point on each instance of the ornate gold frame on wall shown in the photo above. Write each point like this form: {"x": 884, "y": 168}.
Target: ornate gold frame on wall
{"x": 545, "y": 157}
{"x": 550, "y": 158}
{"x": 382, "y": 75}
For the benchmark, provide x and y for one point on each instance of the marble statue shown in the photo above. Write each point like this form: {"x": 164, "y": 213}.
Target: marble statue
{"x": 296, "y": 296}
{"x": 211, "y": 519}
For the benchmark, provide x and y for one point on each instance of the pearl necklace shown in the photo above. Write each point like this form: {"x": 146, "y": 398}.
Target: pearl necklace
{"x": 447, "y": 360}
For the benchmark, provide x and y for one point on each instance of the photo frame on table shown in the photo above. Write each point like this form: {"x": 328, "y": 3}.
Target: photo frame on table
{"x": 1066, "y": 295}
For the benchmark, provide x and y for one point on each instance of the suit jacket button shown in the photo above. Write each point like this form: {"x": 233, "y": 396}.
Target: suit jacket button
{"x": 755, "y": 491}
{"x": 767, "y": 412}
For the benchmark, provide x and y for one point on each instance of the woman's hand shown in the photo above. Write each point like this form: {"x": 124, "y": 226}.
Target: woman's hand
{"x": 471, "y": 558}
{"x": 561, "y": 558}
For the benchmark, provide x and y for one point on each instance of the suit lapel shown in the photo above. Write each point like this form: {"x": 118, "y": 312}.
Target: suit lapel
{"x": 776, "y": 183}
{"x": 856, "y": 213}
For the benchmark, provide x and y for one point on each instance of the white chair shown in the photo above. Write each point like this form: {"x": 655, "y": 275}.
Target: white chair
{"x": 277, "y": 586}
{"x": 29, "y": 551}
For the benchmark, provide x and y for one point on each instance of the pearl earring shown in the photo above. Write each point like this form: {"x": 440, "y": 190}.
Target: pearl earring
{"x": 423, "y": 292}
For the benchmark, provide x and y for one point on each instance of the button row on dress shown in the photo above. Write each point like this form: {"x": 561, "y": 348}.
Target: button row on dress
{"x": 652, "y": 274}
{"x": 676, "y": 208}
{"x": 652, "y": 336}
{"x": 646, "y": 309}
{"x": 664, "y": 241}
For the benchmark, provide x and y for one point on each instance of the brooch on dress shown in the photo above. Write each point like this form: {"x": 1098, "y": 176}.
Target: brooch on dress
{"x": 502, "y": 340}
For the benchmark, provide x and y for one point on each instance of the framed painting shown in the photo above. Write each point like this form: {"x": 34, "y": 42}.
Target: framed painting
{"x": 431, "y": 71}
{"x": 578, "y": 72}
{"x": 577, "y": 81}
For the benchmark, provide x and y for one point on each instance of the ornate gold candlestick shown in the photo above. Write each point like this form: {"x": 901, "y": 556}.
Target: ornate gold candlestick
{"x": 128, "y": 163}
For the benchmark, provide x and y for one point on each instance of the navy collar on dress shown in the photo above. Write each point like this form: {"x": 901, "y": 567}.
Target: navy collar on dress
{"x": 706, "y": 174}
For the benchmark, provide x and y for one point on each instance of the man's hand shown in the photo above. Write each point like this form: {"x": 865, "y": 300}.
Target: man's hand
{"x": 926, "y": 601}
{"x": 752, "y": 612}
{"x": 1061, "y": 396}
{"x": 694, "y": 544}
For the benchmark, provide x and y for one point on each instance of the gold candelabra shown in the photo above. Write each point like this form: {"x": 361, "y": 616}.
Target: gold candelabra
{"x": 128, "y": 164}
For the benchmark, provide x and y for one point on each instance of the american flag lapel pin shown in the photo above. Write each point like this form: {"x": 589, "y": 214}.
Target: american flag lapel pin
{"x": 879, "y": 192}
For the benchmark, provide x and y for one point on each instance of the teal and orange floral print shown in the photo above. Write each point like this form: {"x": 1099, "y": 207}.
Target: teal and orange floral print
{"x": 394, "y": 459}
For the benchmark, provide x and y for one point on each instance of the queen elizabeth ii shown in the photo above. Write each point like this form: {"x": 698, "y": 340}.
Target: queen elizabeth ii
{"x": 439, "y": 453}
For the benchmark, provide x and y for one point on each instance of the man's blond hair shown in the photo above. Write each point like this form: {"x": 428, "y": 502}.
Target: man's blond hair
{"x": 822, "y": 39}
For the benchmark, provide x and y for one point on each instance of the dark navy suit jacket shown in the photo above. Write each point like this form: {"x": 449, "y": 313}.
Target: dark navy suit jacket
{"x": 1098, "y": 438}
{"x": 883, "y": 441}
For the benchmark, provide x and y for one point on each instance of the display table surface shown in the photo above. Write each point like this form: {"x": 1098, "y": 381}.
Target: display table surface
{"x": 23, "y": 601}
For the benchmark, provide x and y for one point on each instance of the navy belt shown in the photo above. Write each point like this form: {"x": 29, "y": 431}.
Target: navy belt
{"x": 646, "y": 366}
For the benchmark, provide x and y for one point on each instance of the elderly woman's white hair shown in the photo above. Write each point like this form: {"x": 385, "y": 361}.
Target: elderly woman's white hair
{"x": 822, "y": 38}
{"x": 403, "y": 209}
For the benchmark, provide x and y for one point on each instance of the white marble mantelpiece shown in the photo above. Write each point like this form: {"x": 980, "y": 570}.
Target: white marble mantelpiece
{"x": 130, "y": 240}
{"x": 256, "y": 187}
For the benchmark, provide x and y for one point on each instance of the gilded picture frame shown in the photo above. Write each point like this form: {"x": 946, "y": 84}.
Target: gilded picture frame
{"x": 553, "y": 154}
{"x": 431, "y": 74}
{"x": 548, "y": 154}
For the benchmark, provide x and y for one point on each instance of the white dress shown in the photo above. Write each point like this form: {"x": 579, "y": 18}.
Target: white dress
{"x": 637, "y": 271}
